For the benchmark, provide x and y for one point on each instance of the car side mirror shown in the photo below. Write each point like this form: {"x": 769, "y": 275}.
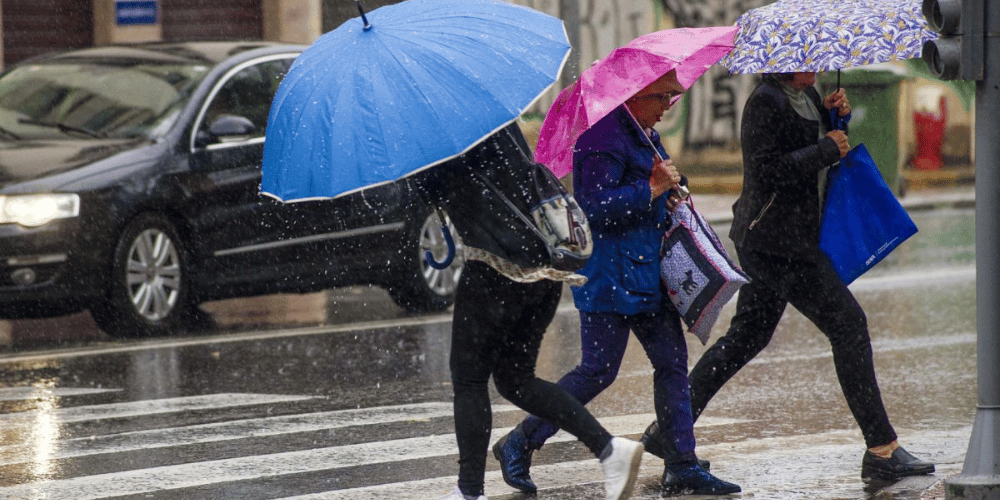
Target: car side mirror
{"x": 226, "y": 128}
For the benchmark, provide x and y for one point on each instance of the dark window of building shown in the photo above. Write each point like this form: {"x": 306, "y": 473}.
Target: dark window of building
{"x": 190, "y": 20}
{"x": 35, "y": 27}
{"x": 335, "y": 12}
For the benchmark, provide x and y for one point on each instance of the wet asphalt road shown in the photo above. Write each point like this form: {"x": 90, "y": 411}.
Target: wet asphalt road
{"x": 357, "y": 404}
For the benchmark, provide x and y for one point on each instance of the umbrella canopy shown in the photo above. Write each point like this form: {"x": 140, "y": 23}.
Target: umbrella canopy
{"x": 426, "y": 81}
{"x": 825, "y": 35}
{"x": 611, "y": 81}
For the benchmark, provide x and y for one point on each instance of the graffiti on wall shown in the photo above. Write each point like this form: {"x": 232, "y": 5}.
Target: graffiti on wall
{"x": 595, "y": 28}
{"x": 607, "y": 24}
{"x": 715, "y": 102}
{"x": 708, "y": 12}
{"x": 710, "y": 116}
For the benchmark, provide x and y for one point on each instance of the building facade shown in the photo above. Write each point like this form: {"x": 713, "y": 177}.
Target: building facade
{"x": 704, "y": 130}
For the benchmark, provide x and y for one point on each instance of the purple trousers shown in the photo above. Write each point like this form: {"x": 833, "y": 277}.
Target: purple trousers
{"x": 604, "y": 337}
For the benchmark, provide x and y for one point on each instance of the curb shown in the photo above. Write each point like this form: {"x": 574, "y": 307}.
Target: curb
{"x": 717, "y": 207}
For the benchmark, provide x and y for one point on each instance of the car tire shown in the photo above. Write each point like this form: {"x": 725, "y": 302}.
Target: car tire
{"x": 147, "y": 293}
{"x": 421, "y": 288}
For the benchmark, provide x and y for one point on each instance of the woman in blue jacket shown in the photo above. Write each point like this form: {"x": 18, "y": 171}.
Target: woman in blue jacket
{"x": 620, "y": 184}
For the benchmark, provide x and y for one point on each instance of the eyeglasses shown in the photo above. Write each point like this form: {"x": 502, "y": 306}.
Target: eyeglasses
{"x": 666, "y": 98}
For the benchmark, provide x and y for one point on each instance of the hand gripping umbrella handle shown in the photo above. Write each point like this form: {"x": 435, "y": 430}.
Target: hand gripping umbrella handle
{"x": 682, "y": 192}
{"x": 451, "y": 248}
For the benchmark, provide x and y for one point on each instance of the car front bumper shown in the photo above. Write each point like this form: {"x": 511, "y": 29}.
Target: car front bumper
{"x": 46, "y": 271}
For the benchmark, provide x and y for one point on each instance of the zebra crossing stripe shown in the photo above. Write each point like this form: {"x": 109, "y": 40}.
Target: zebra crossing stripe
{"x": 29, "y": 393}
{"x": 827, "y": 460}
{"x": 548, "y": 477}
{"x": 274, "y": 465}
{"x": 235, "y": 469}
{"x": 233, "y": 430}
{"x": 143, "y": 408}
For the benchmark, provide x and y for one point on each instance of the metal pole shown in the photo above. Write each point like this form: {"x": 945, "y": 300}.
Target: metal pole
{"x": 980, "y": 477}
{"x": 569, "y": 12}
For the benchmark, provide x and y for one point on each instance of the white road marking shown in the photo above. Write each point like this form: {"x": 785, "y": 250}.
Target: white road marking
{"x": 935, "y": 275}
{"x": 829, "y": 462}
{"x": 225, "y": 338}
{"x": 30, "y": 393}
{"x": 227, "y": 431}
{"x": 278, "y": 464}
{"x": 141, "y": 408}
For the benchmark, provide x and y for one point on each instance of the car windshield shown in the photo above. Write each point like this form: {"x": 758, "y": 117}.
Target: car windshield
{"x": 94, "y": 99}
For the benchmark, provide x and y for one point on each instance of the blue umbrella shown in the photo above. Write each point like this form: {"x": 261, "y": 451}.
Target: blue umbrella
{"x": 403, "y": 88}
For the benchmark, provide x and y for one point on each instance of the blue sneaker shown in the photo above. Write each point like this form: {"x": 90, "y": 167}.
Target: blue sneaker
{"x": 689, "y": 478}
{"x": 514, "y": 455}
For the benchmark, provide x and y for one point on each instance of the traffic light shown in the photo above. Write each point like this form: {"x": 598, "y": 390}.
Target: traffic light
{"x": 958, "y": 53}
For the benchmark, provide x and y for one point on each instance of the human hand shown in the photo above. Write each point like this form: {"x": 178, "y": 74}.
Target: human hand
{"x": 664, "y": 177}
{"x": 838, "y": 100}
{"x": 675, "y": 197}
{"x": 840, "y": 138}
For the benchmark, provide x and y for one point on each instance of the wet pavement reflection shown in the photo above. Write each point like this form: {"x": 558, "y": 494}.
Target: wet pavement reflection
{"x": 362, "y": 351}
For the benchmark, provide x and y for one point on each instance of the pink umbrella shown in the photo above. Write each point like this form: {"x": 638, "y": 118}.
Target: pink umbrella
{"x": 626, "y": 70}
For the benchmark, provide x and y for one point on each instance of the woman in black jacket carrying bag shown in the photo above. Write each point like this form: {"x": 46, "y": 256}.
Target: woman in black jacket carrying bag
{"x": 789, "y": 144}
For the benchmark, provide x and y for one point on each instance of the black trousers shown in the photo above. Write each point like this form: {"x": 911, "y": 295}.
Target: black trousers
{"x": 813, "y": 287}
{"x": 497, "y": 330}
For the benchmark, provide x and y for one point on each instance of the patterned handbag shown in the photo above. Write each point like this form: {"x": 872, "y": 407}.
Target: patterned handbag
{"x": 555, "y": 217}
{"x": 696, "y": 270}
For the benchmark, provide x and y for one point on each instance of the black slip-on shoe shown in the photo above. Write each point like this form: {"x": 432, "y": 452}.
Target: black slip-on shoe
{"x": 898, "y": 466}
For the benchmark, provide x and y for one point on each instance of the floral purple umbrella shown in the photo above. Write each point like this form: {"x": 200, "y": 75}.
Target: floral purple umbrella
{"x": 825, "y": 35}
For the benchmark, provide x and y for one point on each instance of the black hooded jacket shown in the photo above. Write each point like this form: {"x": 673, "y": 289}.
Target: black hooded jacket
{"x": 778, "y": 211}
{"x": 481, "y": 218}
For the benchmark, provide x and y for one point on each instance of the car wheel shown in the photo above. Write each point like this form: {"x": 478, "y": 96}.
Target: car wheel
{"x": 147, "y": 291}
{"x": 423, "y": 288}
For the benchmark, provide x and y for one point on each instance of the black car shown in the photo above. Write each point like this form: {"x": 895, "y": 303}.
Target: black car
{"x": 130, "y": 186}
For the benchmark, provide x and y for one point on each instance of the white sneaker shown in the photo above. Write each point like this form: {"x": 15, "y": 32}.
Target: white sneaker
{"x": 621, "y": 468}
{"x": 457, "y": 495}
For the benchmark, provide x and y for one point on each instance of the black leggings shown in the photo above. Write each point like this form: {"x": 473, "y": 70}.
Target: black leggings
{"x": 812, "y": 287}
{"x": 497, "y": 329}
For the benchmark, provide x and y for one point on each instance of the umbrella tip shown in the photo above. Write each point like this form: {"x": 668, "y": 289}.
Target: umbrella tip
{"x": 364, "y": 18}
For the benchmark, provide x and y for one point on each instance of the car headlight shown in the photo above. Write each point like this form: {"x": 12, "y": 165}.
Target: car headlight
{"x": 38, "y": 209}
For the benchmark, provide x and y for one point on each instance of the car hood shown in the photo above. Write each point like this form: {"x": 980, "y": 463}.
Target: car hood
{"x": 27, "y": 160}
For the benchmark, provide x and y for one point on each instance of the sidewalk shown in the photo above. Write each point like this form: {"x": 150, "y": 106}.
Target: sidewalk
{"x": 718, "y": 208}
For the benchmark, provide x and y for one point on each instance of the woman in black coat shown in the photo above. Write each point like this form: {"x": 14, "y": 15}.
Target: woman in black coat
{"x": 505, "y": 300}
{"x": 789, "y": 144}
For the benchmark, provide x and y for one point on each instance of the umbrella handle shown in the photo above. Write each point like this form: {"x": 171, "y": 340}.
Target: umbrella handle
{"x": 839, "y": 122}
{"x": 364, "y": 18}
{"x": 451, "y": 250}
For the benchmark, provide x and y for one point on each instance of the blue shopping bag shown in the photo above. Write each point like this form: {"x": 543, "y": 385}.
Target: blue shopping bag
{"x": 862, "y": 219}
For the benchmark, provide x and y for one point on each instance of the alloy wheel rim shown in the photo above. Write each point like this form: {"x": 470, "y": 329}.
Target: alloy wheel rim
{"x": 153, "y": 274}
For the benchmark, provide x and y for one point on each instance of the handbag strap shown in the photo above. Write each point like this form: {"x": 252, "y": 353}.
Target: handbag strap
{"x": 517, "y": 211}
{"x": 649, "y": 140}
{"x": 682, "y": 191}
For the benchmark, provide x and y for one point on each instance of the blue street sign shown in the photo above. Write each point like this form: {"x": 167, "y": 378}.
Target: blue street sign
{"x": 136, "y": 12}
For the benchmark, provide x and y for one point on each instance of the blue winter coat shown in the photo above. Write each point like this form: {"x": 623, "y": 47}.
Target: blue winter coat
{"x": 612, "y": 163}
